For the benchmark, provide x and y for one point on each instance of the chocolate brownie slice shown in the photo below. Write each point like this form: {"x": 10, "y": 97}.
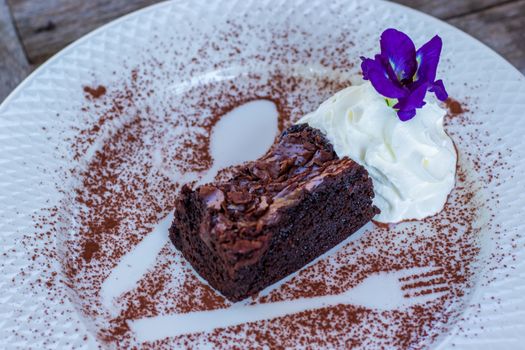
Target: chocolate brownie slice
{"x": 274, "y": 215}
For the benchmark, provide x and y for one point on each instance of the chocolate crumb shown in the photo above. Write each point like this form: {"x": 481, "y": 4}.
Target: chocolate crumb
{"x": 95, "y": 93}
{"x": 454, "y": 107}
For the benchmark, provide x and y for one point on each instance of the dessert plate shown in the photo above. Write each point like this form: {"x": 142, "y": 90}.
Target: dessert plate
{"x": 95, "y": 144}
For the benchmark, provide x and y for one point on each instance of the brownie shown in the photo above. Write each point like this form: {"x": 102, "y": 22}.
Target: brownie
{"x": 273, "y": 215}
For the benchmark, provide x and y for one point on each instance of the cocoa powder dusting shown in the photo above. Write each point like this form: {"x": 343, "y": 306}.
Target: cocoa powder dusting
{"x": 90, "y": 248}
{"x": 140, "y": 143}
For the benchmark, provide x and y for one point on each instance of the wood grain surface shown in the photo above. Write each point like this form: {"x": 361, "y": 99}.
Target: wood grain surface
{"x": 31, "y": 31}
{"x": 502, "y": 28}
{"x": 46, "y": 26}
{"x": 446, "y": 9}
{"x": 13, "y": 62}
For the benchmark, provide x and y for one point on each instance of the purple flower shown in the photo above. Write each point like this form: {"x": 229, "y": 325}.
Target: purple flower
{"x": 400, "y": 72}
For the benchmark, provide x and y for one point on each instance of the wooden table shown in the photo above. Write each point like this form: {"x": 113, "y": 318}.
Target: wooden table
{"x": 33, "y": 30}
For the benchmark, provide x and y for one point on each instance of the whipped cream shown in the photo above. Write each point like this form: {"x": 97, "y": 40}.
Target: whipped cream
{"x": 412, "y": 164}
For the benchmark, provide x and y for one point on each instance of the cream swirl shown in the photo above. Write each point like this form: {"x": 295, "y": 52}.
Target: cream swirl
{"x": 412, "y": 164}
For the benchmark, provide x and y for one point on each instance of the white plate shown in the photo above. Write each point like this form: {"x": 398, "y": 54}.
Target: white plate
{"x": 37, "y": 126}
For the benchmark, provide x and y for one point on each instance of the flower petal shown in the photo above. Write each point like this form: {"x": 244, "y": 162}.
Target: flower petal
{"x": 388, "y": 68}
{"x": 428, "y": 59}
{"x": 374, "y": 71}
{"x": 415, "y": 100}
{"x": 401, "y": 53}
{"x": 439, "y": 89}
{"x": 406, "y": 115}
